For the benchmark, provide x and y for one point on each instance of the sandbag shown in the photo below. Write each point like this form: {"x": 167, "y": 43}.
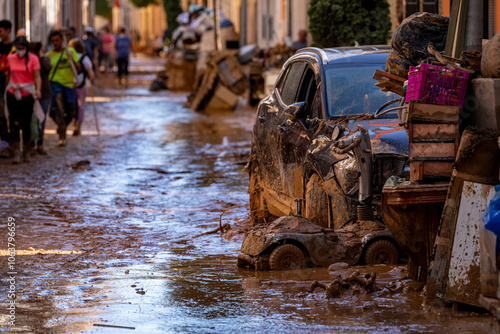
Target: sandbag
{"x": 410, "y": 40}
{"x": 490, "y": 61}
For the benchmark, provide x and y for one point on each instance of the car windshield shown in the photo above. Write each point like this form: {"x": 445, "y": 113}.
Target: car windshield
{"x": 350, "y": 89}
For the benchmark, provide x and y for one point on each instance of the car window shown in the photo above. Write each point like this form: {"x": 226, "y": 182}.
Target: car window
{"x": 282, "y": 80}
{"x": 307, "y": 92}
{"x": 291, "y": 82}
{"x": 350, "y": 89}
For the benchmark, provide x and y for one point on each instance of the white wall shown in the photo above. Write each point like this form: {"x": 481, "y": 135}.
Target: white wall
{"x": 278, "y": 11}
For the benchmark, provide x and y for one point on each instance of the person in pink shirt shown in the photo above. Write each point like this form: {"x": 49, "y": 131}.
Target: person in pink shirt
{"x": 24, "y": 87}
{"x": 108, "y": 46}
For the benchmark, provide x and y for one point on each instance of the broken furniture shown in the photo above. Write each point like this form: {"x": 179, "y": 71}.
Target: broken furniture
{"x": 434, "y": 138}
{"x": 180, "y": 73}
{"x": 412, "y": 215}
{"x": 389, "y": 82}
{"x": 221, "y": 83}
{"x": 412, "y": 212}
{"x": 455, "y": 273}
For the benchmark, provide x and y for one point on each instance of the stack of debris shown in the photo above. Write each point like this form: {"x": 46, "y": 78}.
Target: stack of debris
{"x": 220, "y": 84}
{"x": 438, "y": 217}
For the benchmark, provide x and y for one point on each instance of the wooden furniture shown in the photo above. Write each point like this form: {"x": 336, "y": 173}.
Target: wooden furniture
{"x": 412, "y": 214}
{"x": 434, "y": 139}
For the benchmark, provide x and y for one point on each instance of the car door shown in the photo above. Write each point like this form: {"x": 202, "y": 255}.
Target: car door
{"x": 270, "y": 118}
{"x": 295, "y": 138}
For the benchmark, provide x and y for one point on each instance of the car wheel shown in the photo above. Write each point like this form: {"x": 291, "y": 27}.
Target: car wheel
{"x": 287, "y": 257}
{"x": 381, "y": 252}
{"x": 316, "y": 200}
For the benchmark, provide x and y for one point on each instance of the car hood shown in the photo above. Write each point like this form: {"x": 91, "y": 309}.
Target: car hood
{"x": 386, "y": 135}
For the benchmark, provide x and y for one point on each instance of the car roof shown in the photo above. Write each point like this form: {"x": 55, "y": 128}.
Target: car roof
{"x": 347, "y": 53}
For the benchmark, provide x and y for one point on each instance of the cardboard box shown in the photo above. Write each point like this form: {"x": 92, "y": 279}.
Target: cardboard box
{"x": 180, "y": 75}
{"x": 223, "y": 98}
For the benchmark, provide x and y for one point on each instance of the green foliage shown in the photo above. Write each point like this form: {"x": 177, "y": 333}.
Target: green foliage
{"x": 143, "y": 3}
{"x": 103, "y": 8}
{"x": 172, "y": 8}
{"x": 342, "y": 22}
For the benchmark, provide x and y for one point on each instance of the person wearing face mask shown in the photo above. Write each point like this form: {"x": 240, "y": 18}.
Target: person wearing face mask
{"x": 23, "y": 89}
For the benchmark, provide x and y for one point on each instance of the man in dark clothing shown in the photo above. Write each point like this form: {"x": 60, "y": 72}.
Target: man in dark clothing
{"x": 302, "y": 41}
{"x": 6, "y": 48}
{"x": 91, "y": 46}
{"x": 122, "y": 44}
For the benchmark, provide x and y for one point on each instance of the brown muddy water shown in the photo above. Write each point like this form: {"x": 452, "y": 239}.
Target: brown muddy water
{"x": 133, "y": 203}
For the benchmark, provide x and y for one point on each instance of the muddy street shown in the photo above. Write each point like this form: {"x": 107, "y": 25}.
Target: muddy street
{"x": 111, "y": 234}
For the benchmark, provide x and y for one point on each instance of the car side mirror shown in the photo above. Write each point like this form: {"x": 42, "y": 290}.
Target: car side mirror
{"x": 297, "y": 113}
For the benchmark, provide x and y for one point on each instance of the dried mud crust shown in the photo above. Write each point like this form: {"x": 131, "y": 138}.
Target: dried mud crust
{"x": 286, "y": 257}
{"x": 316, "y": 201}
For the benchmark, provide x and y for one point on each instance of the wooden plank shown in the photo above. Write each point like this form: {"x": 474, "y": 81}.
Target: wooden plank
{"x": 415, "y": 194}
{"x": 437, "y": 168}
{"x": 416, "y": 171}
{"x": 378, "y": 75}
{"x": 390, "y": 86}
{"x": 433, "y": 113}
{"x": 432, "y": 150}
{"x": 434, "y": 131}
{"x": 436, "y": 282}
{"x": 456, "y": 29}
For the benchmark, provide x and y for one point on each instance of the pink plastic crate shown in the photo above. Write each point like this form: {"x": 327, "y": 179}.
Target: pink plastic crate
{"x": 436, "y": 84}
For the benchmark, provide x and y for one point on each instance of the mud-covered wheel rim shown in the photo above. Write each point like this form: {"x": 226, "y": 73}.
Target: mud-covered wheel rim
{"x": 381, "y": 252}
{"x": 287, "y": 257}
{"x": 316, "y": 201}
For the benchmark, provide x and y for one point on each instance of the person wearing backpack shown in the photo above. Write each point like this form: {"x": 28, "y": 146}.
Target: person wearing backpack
{"x": 86, "y": 76}
{"x": 65, "y": 65}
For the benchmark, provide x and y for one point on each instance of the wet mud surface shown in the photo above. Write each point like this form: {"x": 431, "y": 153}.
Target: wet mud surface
{"x": 111, "y": 233}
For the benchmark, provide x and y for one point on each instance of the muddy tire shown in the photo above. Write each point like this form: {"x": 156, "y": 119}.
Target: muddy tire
{"x": 287, "y": 257}
{"x": 316, "y": 202}
{"x": 381, "y": 252}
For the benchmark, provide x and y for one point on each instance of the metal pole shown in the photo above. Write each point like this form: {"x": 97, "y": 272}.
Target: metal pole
{"x": 243, "y": 23}
{"x": 218, "y": 39}
{"x": 95, "y": 111}
{"x": 474, "y": 26}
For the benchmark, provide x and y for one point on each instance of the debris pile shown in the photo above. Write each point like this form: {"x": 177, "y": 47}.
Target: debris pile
{"x": 219, "y": 84}
{"x": 353, "y": 284}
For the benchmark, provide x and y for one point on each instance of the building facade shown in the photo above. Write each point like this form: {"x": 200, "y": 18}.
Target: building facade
{"x": 39, "y": 17}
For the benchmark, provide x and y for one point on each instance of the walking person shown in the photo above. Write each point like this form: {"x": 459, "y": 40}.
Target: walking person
{"x": 82, "y": 90}
{"x": 24, "y": 88}
{"x": 108, "y": 45}
{"x": 65, "y": 65}
{"x": 6, "y": 48}
{"x": 123, "y": 44}
{"x": 45, "y": 66}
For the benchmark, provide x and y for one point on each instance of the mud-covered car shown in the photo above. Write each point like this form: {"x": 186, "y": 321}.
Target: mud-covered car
{"x": 295, "y": 242}
{"x": 320, "y": 96}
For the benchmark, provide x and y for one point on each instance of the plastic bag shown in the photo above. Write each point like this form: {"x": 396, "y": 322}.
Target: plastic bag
{"x": 491, "y": 216}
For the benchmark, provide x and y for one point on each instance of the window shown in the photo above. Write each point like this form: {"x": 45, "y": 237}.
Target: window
{"x": 291, "y": 82}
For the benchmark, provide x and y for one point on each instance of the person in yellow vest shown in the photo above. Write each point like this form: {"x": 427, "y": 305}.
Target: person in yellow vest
{"x": 65, "y": 66}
